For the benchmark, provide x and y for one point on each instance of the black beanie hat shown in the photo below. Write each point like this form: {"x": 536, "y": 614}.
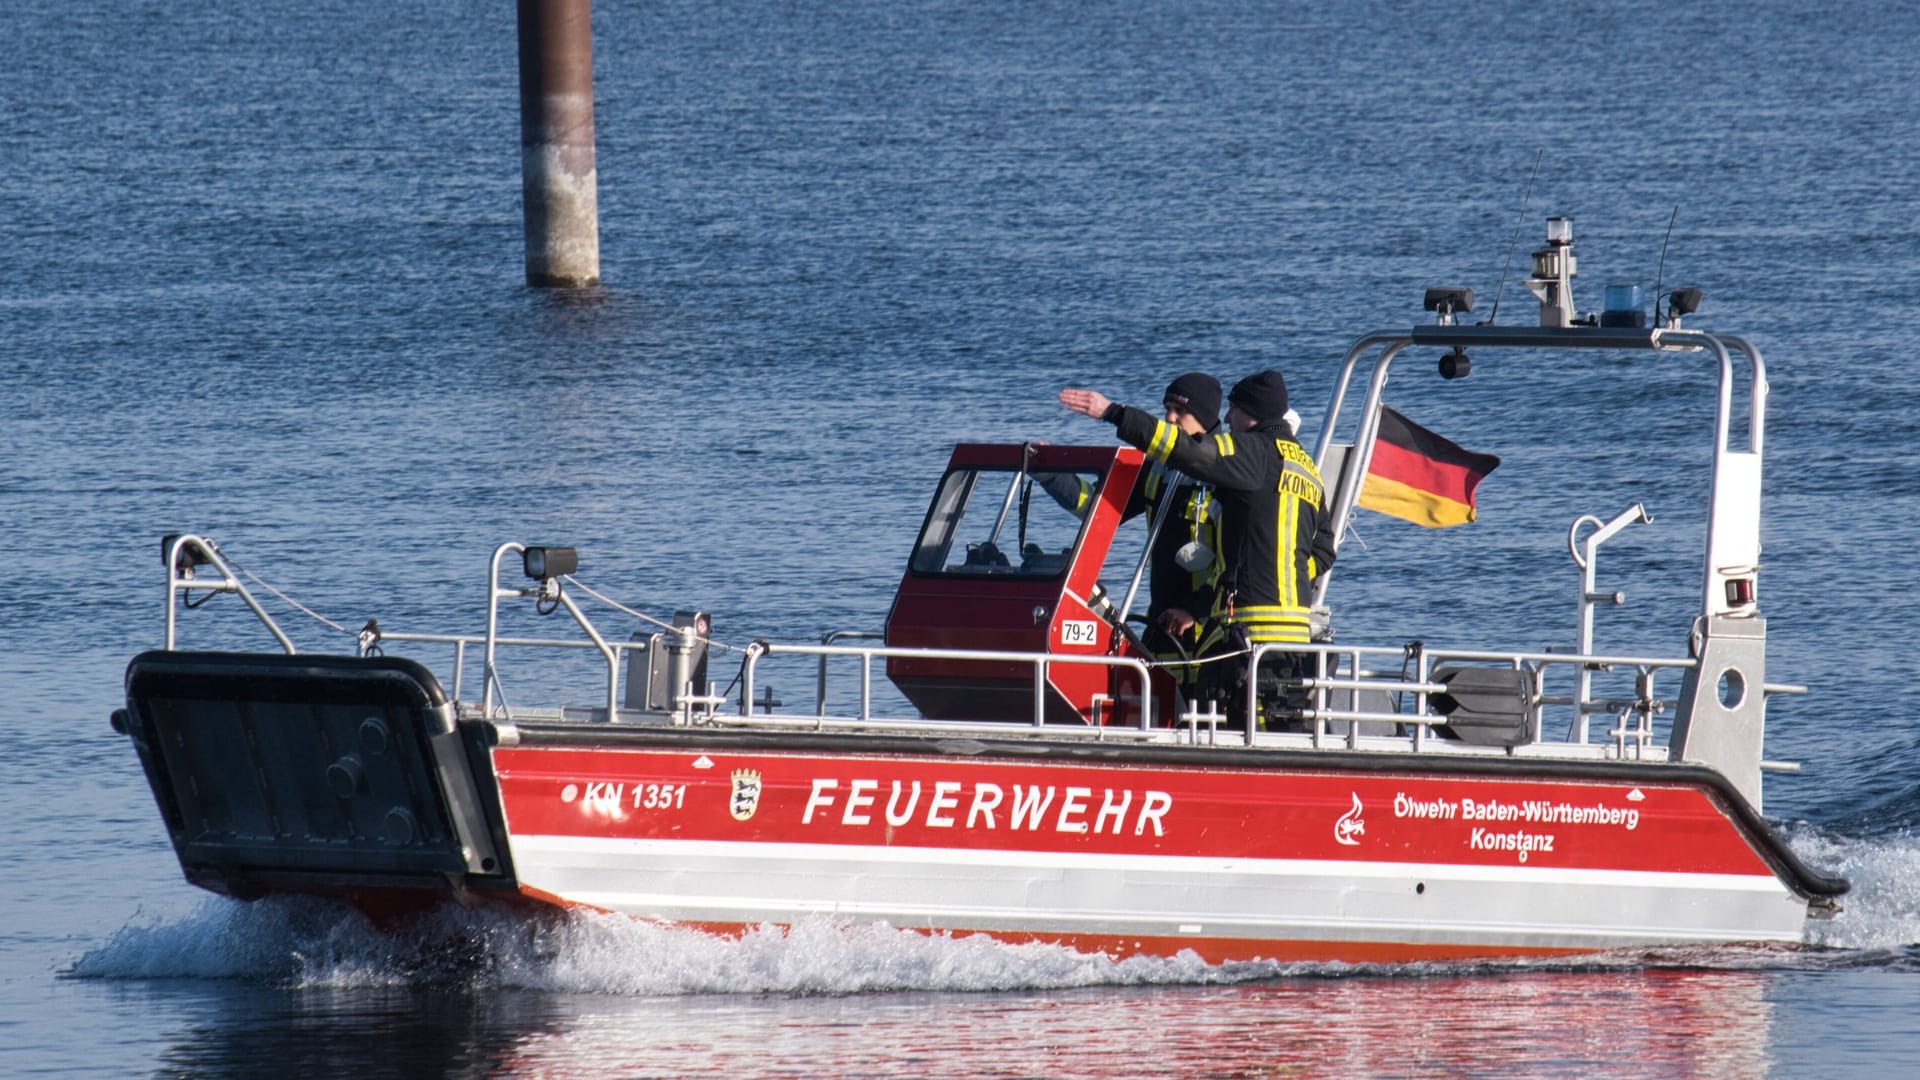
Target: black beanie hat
{"x": 1262, "y": 396}
{"x": 1198, "y": 393}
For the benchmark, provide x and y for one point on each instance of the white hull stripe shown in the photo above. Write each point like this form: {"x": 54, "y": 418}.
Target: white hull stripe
{"x": 1542, "y": 934}
{"x": 744, "y": 851}
{"x": 1157, "y": 896}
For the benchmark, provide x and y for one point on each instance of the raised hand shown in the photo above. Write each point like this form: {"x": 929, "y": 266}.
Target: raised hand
{"x": 1089, "y": 402}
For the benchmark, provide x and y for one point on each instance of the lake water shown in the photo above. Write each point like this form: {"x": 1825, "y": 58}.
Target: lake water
{"x": 263, "y": 281}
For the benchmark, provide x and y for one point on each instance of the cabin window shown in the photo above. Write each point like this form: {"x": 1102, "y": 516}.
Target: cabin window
{"x": 1004, "y": 522}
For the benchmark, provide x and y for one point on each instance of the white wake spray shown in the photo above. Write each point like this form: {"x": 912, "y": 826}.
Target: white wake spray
{"x": 307, "y": 943}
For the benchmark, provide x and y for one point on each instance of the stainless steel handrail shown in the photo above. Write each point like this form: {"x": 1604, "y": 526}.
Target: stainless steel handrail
{"x": 1320, "y": 683}
{"x": 820, "y": 681}
{"x": 1336, "y": 668}
{"x": 868, "y": 654}
{"x": 205, "y": 553}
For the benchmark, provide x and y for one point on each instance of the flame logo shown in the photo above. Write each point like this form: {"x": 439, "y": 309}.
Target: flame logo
{"x": 1350, "y": 825}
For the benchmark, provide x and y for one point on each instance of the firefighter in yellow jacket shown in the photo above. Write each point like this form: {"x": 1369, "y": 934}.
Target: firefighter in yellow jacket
{"x": 1184, "y": 565}
{"x": 1276, "y": 531}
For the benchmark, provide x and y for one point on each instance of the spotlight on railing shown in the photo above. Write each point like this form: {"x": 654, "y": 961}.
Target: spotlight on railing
{"x": 547, "y": 563}
{"x": 190, "y": 555}
{"x": 1682, "y": 302}
{"x": 1448, "y": 301}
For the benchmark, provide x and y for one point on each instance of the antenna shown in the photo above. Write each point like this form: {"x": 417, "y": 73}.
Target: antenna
{"x": 1660, "y": 275}
{"x": 1494, "y": 315}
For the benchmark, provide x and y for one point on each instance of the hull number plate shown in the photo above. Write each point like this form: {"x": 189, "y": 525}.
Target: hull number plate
{"x": 1079, "y": 632}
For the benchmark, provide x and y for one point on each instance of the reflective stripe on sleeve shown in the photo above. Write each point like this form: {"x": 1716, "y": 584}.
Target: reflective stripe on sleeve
{"x": 1160, "y": 447}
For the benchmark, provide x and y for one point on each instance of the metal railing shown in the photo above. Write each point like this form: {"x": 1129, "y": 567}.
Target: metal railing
{"x": 867, "y": 654}
{"x": 1327, "y": 684}
{"x": 820, "y": 681}
{"x": 185, "y": 554}
{"x": 1337, "y": 669}
{"x": 461, "y": 642}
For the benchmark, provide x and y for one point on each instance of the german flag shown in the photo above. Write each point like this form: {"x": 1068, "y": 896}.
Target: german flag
{"x": 1419, "y": 476}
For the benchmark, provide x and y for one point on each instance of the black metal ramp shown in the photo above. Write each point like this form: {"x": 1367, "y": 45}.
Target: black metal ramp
{"x": 323, "y": 774}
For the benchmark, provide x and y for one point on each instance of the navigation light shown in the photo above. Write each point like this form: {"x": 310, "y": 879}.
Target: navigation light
{"x": 1553, "y": 273}
{"x": 1739, "y": 592}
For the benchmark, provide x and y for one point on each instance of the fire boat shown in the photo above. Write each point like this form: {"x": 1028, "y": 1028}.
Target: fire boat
{"x": 1047, "y": 781}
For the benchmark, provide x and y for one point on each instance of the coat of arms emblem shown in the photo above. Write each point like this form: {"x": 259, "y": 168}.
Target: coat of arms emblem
{"x": 746, "y": 794}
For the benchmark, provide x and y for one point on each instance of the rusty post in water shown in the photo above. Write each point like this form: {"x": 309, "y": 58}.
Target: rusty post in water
{"x": 559, "y": 187}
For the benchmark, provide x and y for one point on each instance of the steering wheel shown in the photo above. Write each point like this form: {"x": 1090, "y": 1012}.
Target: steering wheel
{"x": 1141, "y": 644}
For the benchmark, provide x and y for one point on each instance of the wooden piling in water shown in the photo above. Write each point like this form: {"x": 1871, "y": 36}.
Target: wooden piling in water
{"x": 559, "y": 184}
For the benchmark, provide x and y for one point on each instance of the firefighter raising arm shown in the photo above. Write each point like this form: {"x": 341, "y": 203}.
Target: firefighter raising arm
{"x": 1201, "y": 458}
{"x": 1274, "y": 502}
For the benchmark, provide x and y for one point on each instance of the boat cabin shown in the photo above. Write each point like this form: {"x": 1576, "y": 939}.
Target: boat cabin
{"x": 1009, "y": 560}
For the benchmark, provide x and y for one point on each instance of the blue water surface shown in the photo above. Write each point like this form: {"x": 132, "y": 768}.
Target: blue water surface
{"x": 263, "y": 281}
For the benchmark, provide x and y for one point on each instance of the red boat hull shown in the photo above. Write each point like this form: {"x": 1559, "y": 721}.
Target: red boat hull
{"x": 1123, "y": 855}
